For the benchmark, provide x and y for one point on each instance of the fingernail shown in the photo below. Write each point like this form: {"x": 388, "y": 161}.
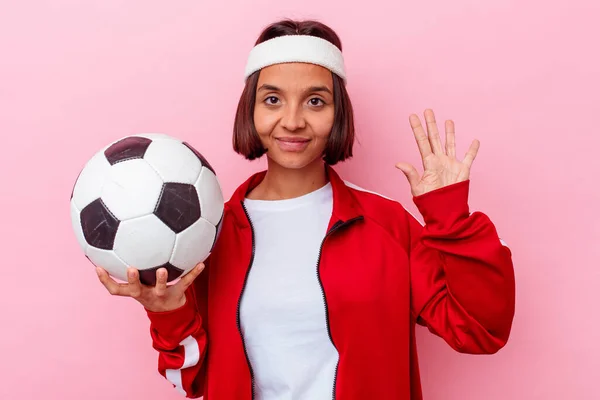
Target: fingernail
{"x": 97, "y": 271}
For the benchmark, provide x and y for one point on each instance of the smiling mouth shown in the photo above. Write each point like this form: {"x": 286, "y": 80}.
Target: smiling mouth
{"x": 292, "y": 140}
{"x": 292, "y": 144}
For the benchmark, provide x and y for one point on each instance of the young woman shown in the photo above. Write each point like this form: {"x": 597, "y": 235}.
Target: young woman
{"x": 315, "y": 285}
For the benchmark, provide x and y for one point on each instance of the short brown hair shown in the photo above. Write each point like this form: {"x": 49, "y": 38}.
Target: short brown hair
{"x": 341, "y": 139}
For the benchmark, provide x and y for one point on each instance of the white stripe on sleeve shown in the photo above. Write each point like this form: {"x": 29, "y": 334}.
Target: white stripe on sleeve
{"x": 191, "y": 352}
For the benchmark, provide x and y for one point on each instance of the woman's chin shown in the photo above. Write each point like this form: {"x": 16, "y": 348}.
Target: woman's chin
{"x": 294, "y": 161}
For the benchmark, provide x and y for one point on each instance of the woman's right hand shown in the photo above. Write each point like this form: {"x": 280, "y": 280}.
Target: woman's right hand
{"x": 158, "y": 298}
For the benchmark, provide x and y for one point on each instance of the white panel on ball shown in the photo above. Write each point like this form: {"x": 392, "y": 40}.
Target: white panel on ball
{"x": 153, "y": 136}
{"x": 144, "y": 242}
{"x": 193, "y": 245}
{"x": 211, "y": 197}
{"x": 88, "y": 186}
{"x": 76, "y": 223}
{"x": 108, "y": 260}
{"x": 173, "y": 161}
{"x": 132, "y": 190}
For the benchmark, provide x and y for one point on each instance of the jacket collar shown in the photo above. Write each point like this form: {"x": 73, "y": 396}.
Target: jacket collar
{"x": 345, "y": 205}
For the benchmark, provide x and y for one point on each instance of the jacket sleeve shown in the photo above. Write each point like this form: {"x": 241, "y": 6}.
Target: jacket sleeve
{"x": 180, "y": 337}
{"x": 462, "y": 277}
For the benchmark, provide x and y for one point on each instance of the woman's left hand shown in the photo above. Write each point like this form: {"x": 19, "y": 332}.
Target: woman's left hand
{"x": 441, "y": 168}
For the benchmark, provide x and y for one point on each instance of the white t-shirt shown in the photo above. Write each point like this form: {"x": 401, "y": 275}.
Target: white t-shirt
{"x": 282, "y": 313}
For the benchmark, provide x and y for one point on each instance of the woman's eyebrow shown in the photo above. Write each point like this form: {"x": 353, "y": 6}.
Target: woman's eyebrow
{"x": 318, "y": 89}
{"x": 269, "y": 88}
{"x": 311, "y": 89}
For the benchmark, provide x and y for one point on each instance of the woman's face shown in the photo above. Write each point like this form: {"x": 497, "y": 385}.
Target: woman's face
{"x": 294, "y": 112}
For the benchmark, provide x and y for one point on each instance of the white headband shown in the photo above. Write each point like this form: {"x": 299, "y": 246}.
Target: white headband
{"x": 296, "y": 48}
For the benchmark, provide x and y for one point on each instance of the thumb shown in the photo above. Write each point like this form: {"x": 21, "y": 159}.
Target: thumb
{"x": 410, "y": 172}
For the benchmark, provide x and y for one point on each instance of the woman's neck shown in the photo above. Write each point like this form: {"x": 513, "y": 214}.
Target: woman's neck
{"x": 283, "y": 183}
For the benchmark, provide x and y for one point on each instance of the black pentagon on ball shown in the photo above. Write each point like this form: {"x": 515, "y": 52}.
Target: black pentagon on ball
{"x": 178, "y": 206}
{"x": 200, "y": 157}
{"x": 129, "y": 148}
{"x": 148, "y": 276}
{"x": 99, "y": 225}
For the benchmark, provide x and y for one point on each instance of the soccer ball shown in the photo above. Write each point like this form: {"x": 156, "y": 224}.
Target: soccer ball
{"x": 147, "y": 201}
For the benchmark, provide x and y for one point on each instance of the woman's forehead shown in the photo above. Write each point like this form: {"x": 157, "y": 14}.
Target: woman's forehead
{"x": 295, "y": 75}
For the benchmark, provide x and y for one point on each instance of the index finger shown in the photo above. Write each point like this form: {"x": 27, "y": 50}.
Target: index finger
{"x": 420, "y": 136}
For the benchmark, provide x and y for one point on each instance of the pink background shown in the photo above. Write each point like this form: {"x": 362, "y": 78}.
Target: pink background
{"x": 521, "y": 76}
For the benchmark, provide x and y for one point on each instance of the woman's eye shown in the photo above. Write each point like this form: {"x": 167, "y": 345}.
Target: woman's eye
{"x": 315, "y": 101}
{"x": 271, "y": 100}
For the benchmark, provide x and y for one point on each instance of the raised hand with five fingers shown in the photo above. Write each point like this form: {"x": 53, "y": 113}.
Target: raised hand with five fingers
{"x": 440, "y": 165}
{"x": 158, "y": 298}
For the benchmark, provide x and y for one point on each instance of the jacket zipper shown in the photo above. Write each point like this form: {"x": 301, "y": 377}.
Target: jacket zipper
{"x": 334, "y": 228}
{"x": 239, "y": 326}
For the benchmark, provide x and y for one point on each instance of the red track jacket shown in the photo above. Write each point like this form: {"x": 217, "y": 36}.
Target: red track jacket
{"x": 381, "y": 272}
